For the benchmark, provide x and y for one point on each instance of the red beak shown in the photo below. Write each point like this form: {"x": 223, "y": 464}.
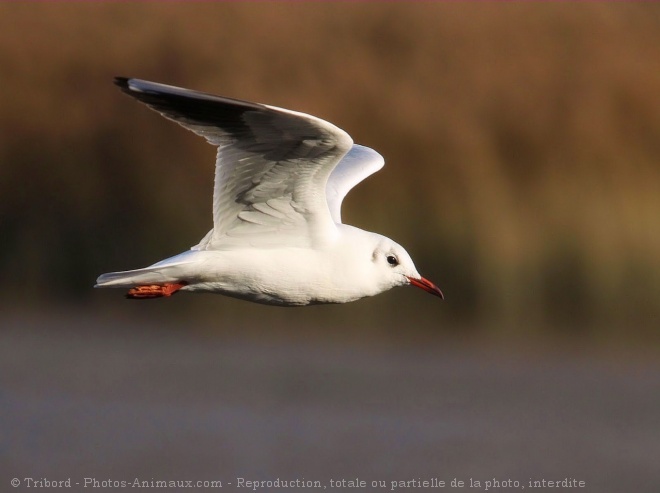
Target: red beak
{"x": 427, "y": 286}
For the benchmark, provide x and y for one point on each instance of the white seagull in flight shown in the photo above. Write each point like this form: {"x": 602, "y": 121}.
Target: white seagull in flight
{"x": 277, "y": 237}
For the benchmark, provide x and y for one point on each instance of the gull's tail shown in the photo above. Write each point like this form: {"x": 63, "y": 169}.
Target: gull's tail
{"x": 162, "y": 279}
{"x": 132, "y": 278}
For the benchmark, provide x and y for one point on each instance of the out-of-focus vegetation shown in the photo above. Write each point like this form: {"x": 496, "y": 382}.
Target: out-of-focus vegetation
{"x": 522, "y": 147}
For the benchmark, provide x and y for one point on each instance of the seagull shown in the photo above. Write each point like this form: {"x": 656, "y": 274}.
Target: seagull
{"x": 277, "y": 237}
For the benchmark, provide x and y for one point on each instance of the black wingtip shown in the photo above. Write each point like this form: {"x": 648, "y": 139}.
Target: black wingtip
{"x": 122, "y": 82}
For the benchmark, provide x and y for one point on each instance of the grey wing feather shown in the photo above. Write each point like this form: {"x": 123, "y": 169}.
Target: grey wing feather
{"x": 272, "y": 165}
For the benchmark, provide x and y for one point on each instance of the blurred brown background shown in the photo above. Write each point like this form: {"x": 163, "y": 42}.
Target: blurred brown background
{"x": 522, "y": 147}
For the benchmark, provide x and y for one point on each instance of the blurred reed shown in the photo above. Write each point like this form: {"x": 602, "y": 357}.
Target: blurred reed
{"x": 522, "y": 145}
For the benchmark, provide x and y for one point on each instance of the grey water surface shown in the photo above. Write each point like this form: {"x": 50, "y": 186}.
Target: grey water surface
{"x": 103, "y": 400}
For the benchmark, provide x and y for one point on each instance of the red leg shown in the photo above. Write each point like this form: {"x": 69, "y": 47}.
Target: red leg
{"x": 154, "y": 290}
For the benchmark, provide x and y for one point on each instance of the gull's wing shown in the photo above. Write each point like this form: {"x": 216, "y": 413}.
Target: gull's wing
{"x": 358, "y": 164}
{"x": 272, "y": 165}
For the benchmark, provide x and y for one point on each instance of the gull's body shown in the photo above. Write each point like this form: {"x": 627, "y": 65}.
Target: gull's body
{"x": 277, "y": 235}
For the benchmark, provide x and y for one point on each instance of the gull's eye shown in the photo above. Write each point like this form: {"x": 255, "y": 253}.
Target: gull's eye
{"x": 392, "y": 260}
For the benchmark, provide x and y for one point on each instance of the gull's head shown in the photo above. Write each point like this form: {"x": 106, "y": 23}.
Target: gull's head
{"x": 392, "y": 266}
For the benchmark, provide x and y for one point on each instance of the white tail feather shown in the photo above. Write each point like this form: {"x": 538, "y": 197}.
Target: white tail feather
{"x": 165, "y": 271}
